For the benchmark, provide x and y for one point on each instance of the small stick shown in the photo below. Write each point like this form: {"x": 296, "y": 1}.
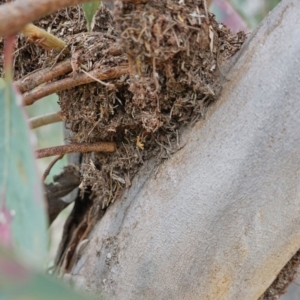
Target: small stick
{"x": 43, "y": 38}
{"x": 205, "y": 2}
{"x": 71, "y": 148}
{"x": 45, "y": 120}
{"x": 66, "y": 83}
{"x": 37, "y": 78}
{"x": 53, "y": 162}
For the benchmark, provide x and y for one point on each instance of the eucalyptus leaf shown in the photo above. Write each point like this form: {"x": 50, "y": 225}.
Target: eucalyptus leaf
{"x": 22, "y": 207}
{"x": 89, "y": 10}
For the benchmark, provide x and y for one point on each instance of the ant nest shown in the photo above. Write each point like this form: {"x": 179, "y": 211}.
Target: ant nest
{"x": 162, "y": 62}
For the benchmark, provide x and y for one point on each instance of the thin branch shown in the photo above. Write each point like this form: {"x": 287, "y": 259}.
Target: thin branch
{"x": 53, "y": 162}
{"x": 71, "y": 148}
{"x": 35, "y": 79}
{"x": 15, "y": 15}
{"x": 45, "y": 120}
{"x": 43, "y": 38}
{"x": 66, "y": 83}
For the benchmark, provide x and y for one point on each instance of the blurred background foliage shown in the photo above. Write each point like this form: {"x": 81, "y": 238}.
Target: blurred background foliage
{"x": 251, "y": 12}
{"x": 18, "y": 281}
{"x": 47, "y": 136}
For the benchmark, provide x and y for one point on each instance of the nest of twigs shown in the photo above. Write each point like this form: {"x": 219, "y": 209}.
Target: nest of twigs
{"x": 165, "y": 57}
{"x": 159, "y": 63}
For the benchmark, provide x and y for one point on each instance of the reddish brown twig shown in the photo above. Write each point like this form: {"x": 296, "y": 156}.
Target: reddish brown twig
{"x": 66, "y": 83}
{"x": 53, "y": 162}
{"x": 35, "y": 79}
{"x": 71, "y": 148}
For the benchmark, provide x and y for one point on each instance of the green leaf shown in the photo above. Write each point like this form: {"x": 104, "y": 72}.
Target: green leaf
{"x": 89, "y": 10}
{"x": 22, "y": 208}
{"x": 18, "y": 282}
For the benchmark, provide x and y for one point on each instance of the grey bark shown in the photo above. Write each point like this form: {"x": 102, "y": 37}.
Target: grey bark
{"x": 221, "y": 217}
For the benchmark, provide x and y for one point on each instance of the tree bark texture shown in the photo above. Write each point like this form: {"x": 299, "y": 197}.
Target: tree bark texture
{"x": 221, "y": 217}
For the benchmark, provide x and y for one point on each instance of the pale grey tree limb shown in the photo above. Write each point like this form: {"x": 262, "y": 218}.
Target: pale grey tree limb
{"x": 221, "y": 217}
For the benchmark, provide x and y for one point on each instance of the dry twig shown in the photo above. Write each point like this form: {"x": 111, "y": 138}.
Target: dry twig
{"x": 66, "y": 83}
{"x": 39, "y": 77}
{"x": 45, "y": 120}
{"x": 43, "y": 38}
{"x": 53, "y": 162}
{"x": 71, "y": 148}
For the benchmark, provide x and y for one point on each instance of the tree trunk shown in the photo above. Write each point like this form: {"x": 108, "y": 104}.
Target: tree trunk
{"x": 221, "y": 217}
